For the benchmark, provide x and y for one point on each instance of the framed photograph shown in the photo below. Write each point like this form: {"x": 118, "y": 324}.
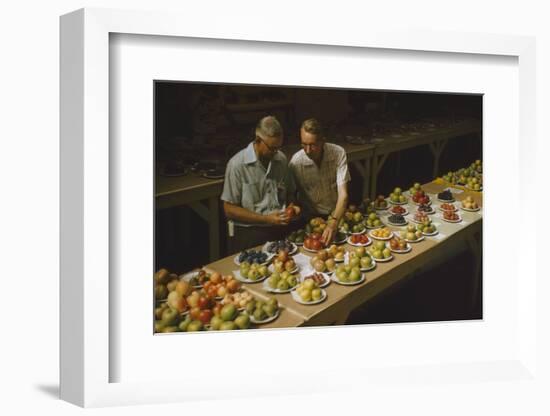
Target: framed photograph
{"x": 157, "y": 295}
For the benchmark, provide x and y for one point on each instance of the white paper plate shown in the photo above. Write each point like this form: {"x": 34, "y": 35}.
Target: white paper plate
{"x": 269, "y": 257}
{"x": 298, "y": 299}
{"x": 430, "y": 234}
{"x": 267, "y": 288}
{"x": 382, "y": 209}
{"x": 360, "y": 232}
{"x": 271, "y": 268}
{"x": 188, "y": 276}
{"x": 450, "y": 201}
{"x": 266, "y": 320}
{"x": 292, "y": 251}
{"x": 418, "y": 204}
{"x": 397, "y": 225}
{"x": 416, "y": 221}
{"x": 397, "y": 213}
{"x": 431, "y": 212}
{"x": 450, "y": 210}
{"x": 408, "y": 249}
{"x": 398, "y": 203}
{"x": 335, "y": 280}
{"x": 381, "y": 238}
{"x": 382, "y": 260}
{"x": 237, "y": 274}
{"x": 372, "y": 266}
{"x": 452, "y": 221}
{"x": 358, "y": 245}
{"x": 326, "y": 276}
{"x": 418, "y": 240}
{"x": 469, "y": 209}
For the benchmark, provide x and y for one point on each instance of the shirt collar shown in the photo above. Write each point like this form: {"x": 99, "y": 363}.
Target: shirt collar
{"x": 250, "y": 154}
{"x": 327, "y": 156}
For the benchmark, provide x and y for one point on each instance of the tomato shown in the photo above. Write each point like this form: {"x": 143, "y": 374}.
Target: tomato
{"x": 205, "y": 316}
{"x": 315, "y": 236}
{"x": 316, "y": 245}
{"x": 203, "y": 302}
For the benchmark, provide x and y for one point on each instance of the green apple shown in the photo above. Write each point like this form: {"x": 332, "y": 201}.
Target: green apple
{"x": 195, "y": 326}
{"x": 228, "y": 312}
{"x": 292, "y": 281}
{"x": 215, "y": 323}
{"x": 355, "y": 275}
{"x": 397, "y": 191}
{"x": 386, "y": 253}
{"x": 242, "y": 321}
{"x": 309, "y": 284}
{"x": 377, "y": 254}
{"x": 402, "y": 198}
{"x": 354, "y": 262}
{"x": 269, "y": 309}
{"x": 273, "y": 281}
{"x": 316, "y": 294}
{"x": 366, "y": 262}
{"x": 306, "y": 295}
{"x": 228, "y": 326}
{"x": 282, "y": 285}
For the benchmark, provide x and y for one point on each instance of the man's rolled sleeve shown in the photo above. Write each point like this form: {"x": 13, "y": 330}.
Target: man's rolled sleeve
{"x": 232, "y": 187}
{"x": 342, "y": 172}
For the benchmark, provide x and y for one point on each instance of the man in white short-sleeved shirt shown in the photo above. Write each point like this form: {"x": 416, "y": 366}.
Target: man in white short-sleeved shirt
{"x": 320, "y": 172}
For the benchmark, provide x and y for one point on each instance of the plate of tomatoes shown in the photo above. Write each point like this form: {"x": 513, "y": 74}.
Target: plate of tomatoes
{"x": 313, "y": 243}
{"x": 399, "y": 210}
{"x": 359, "y": 240}
{"x": 448, "y": 207}
{"x": 450, "y": 216}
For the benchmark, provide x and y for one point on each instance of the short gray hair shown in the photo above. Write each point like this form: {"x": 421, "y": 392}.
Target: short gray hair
{"x": 269, "y": 126}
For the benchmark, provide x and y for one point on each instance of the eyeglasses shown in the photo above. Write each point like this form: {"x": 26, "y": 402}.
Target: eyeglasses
{"x": 273, "y": 149}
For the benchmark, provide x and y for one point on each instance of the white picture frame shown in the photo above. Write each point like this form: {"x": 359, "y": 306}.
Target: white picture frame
{"x": 85, "y": 210}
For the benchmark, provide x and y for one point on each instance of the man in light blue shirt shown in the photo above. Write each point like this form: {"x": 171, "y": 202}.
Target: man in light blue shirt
{"x": 256, "y": 189}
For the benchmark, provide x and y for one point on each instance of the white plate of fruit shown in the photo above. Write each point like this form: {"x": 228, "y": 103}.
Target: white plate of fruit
{"x": 281, "y": 282}
{"x": 380, "y": 252}
{"x": 451, "y": 217}
{"x": 399, "y": 245}
{"x": 320, "y": 279}
{"x": 412, "y": 234}
{"x": 308, "y": 293}
{"x": 261, "y": 312}
{"x": 252, "y": 256}
{"x": 469, "y": 205}
{"x": 253, "y": 273}
{"x": 348, "y": 278}
{"x": 381, "y": 234}
{"x": 448, "y": 207}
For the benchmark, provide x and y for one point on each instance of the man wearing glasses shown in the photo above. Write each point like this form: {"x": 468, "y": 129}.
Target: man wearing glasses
{"x": 320, "y": 171}
{"x": 256, "y": 189}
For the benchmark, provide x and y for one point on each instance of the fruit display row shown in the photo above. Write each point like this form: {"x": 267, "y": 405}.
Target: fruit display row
{"x": 472, "y": 176}
{"x": 221, "y": 304}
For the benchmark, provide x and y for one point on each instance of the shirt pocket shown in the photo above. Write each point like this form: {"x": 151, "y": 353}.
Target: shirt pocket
{"x": 252, "y": 195}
